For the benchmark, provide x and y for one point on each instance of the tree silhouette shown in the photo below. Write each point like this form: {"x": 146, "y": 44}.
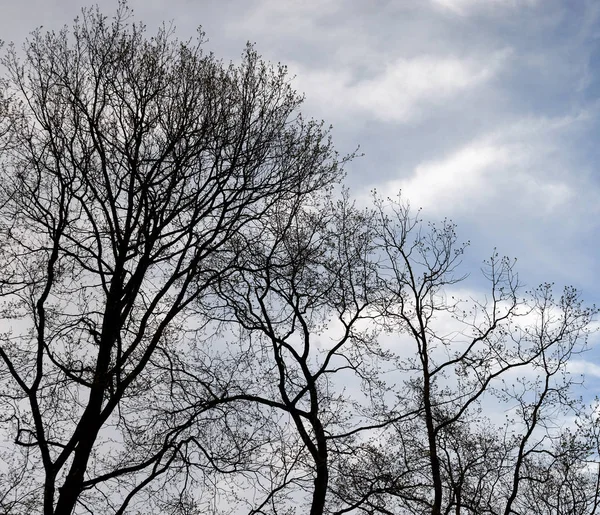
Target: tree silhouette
{"x": 195, "y": 319}
{"x": 131, "y": 166}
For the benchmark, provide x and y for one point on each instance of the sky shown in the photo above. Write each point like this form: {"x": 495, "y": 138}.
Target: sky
{"x": 486, "y": 112}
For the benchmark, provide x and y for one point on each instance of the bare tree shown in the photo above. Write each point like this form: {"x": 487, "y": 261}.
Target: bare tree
{"x": 309, "y": 296}
{"x": 304, "y": 294}
{"x": 454, "y": 356}
{"x": 135, "y": 166}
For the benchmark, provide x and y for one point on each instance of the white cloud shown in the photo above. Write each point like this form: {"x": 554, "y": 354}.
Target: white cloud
{"x": 454, "y": 180}
{"x": 407, "y": 84}
{"x": 514, "y": 168}
{"x": 289, "y": 18}
{"x": 465, "y": 7}
{"x": 586, "y": 368}
{"x": 402, "y": 90}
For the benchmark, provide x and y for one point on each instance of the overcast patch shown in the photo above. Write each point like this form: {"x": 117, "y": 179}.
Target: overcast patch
{"x": 405, "y": 89}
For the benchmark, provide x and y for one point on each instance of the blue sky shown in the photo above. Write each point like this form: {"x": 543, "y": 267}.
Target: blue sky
{"x": 483, "y": 111}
